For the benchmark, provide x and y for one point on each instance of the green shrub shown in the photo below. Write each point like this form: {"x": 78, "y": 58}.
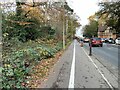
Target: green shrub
{"x": 58, "y": 46}
{"x": 18, "y": 65}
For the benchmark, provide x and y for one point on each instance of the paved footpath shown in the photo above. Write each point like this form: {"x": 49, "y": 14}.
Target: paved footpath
{"x": 76, "y": 69}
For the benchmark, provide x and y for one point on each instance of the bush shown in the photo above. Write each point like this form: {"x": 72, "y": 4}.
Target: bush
{"x": 18, "y": 65}
{"x": 58, "y": 46}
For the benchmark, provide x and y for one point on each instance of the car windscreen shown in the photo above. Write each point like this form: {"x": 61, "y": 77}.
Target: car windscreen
{"x": 111, "y": 39}
{"x": 96, "y": 38}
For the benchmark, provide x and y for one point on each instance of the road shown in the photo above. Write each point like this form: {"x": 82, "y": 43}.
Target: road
{"x": 107, "y": 55}
{"x": 76, "y": 69}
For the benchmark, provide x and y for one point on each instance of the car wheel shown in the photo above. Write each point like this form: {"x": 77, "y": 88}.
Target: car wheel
{"x": 101, "y": 45}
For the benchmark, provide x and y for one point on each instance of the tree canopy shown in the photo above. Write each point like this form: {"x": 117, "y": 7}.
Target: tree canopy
{"x": 112, "y": 10}
{"x": 91, "y": 29}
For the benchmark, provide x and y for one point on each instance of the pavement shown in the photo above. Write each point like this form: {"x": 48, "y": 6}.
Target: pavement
{"x": 76, "y": 69}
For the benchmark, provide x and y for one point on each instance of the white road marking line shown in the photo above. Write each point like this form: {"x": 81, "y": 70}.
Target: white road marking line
{"x": 99, "y": 71}
{"x": 72, "y": 73}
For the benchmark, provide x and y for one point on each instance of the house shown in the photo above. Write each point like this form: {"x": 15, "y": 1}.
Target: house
{"x": 106, "y": 32}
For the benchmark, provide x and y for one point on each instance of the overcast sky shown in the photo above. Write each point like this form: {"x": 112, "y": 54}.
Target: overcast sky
{"x": 84, "y": 9}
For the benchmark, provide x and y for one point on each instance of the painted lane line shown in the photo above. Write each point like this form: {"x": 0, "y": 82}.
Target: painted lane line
{"x": 99, "y": 71}
{"x": 72, "y": 73}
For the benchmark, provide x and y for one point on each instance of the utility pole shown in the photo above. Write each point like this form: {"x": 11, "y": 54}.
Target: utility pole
{"x": 63, "y": 30}
{"x": 66, "y": 25}
{"x": 63, "y": 26}
{"x": 72, "y": 29}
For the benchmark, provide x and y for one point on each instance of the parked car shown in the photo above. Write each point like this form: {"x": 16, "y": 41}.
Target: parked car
{"x": 106, "y": 40}
{"x": 97, "y": 42}
{"x": 117, "y": 41}
{"x": 111, "y": 40}
{"x": 103, "y": 39}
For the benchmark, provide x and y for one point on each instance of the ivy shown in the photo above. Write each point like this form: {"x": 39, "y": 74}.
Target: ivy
{"x": 18, "y": 65}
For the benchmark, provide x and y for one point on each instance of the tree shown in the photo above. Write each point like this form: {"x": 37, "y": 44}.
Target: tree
{"x": 91, "y": 29}
{"x": 112, "y": 9}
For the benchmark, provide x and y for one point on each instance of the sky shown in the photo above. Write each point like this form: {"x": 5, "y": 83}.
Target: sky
{"x": 84, "y": 9}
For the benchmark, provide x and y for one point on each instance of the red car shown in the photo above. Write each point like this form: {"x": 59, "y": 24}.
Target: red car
{"x": 97, "y": 42}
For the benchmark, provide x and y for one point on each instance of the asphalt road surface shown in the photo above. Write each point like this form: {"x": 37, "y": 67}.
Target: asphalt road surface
{"x": 108, "y": 55}
{"x": 76, "y": 69}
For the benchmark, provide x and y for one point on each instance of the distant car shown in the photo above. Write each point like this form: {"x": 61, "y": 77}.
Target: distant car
{"x": 86, "y": 40}
{"x": 106, "y": 40}
{"x": 97, "y": 42}
{"x": 111, "y": 40}
{"x": 103, "y": 39}
{"x": 117, "y": 41}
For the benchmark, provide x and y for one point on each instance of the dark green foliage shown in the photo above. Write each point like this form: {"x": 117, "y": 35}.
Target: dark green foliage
{"x": 58, "y": 46}
{"x": 91, "y": 29}
{"x": 24, "y": 29}
{"x": 67, "y": 7}
{"x": 18, "y": 65}
{"x": 47, "y": 32}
